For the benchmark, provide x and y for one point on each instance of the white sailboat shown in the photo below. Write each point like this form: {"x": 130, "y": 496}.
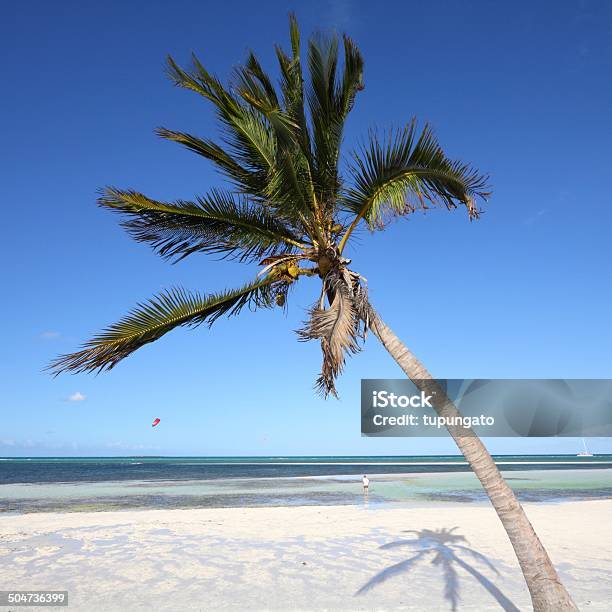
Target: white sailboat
{"x": 585, "y": 452}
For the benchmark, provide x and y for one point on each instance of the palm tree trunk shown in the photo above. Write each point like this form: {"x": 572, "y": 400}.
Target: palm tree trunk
{"x": 547, "y": 592}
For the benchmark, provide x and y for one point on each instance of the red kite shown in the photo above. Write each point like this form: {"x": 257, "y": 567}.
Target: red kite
{"x": 155, "y": 422}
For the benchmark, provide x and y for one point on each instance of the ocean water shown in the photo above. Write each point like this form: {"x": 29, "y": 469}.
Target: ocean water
{"x": 99, "y": 483}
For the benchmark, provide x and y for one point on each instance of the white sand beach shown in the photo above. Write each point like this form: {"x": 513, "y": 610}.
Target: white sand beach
{"x": 306, "y": 558}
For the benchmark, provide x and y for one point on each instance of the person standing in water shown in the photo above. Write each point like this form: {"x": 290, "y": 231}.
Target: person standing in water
{"x": 366, "y": 483}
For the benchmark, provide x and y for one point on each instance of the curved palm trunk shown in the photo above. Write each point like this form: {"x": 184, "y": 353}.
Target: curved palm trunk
{"x": 547, "y": 592}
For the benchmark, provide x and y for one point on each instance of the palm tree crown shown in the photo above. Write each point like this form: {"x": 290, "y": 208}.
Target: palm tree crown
{"x": 289, "y": 208}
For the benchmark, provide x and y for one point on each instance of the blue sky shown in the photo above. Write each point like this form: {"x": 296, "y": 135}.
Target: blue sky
{"x": 521, "y": 90}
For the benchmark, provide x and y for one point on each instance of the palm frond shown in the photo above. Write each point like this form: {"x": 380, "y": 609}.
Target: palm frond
{"x": 253, "y": 79}
{"x": 217, "y": 223}
{"x": 330, "y": 102}
{"x": 151, "y": 320}
{"x": 258, "y": 133}
{"x": 245, "y": 132}
{"x": 338, "y": 327}
{"x": 352, "y": 78}
{"x": 290, "y": 178}
{"x": 403, "y": 173}
{"x": 249, "y": 181}
{"x": 292, "y": 86}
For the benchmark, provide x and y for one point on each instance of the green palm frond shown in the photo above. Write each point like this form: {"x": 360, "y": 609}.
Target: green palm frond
{"x": 217, "y": 223}
{"x": 292, "y": 86}
{"x": 289, "y": 184}
{"x": 253, "y": 79}
{"x": 330, "y": 102}
{"x": 245, "y": 131}
{"x": 352, "y": 78}
{"x": 403, "y": 173}
{"x": 150, "y": 321}
{"x": 290, "y": 179}
{"x": 258, "y": 133}
{"x": 251, "y": 181}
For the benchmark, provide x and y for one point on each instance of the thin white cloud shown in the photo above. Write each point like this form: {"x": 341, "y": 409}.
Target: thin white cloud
{"x": 534, "y": 218}
{"x": 77, "y": 397}
{"x": 16, "y": 446}
{"x": 50, "y": 335}
{"x": 117, "y": 445}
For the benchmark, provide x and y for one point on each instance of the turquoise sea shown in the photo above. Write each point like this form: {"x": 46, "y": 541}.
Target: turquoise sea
{"x": 33, "y": 484}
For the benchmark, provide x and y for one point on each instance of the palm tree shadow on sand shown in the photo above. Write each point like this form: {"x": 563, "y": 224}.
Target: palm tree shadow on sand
{"x": 446, "y": 549}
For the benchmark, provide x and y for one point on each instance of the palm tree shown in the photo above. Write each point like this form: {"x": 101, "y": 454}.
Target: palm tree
{"x": 291, "y": 210}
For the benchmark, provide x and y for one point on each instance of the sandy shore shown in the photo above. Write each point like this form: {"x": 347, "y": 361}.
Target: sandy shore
{"x": 303, "y": 557}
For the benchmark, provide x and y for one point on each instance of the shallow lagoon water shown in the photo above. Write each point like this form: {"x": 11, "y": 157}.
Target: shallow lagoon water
{"x": 408, "y": 486}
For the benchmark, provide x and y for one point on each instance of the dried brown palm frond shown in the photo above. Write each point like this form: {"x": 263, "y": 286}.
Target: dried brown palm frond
{"x": 338, "y": 326}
